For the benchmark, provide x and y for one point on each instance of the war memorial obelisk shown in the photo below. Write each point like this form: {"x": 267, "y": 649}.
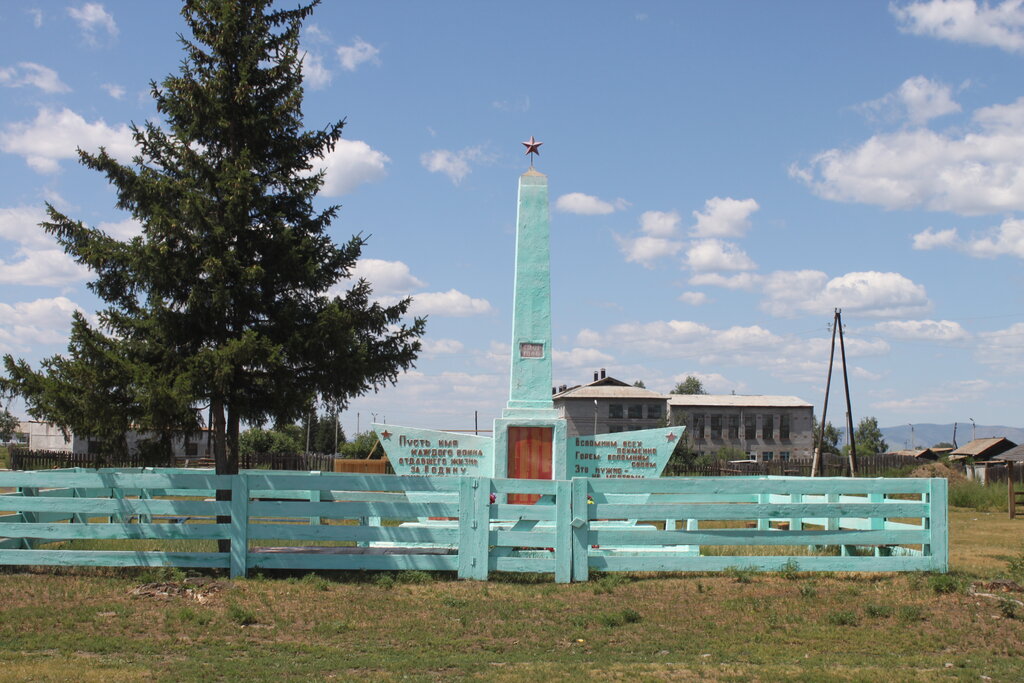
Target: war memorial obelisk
{"x": 529, "y": 439}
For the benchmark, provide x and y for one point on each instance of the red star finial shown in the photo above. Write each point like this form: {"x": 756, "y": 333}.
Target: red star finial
{"x": 670, "y": 437}
{"x": 532, "y": 147}
{"x": 385, "y": 435}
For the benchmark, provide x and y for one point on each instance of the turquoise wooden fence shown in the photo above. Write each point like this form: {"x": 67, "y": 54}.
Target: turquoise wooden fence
{"x": 312, "y": 521}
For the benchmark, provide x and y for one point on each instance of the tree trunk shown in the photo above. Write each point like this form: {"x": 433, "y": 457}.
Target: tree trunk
{"x": 221, "y": 464}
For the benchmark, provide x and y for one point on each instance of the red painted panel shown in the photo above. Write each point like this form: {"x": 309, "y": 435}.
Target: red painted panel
{"x": 529, "y": 457}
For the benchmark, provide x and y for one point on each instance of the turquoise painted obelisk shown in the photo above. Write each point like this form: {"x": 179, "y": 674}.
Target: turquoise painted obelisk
{"x": 530, "y": 384}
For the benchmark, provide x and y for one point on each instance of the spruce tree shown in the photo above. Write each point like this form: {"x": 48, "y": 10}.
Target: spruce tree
{"x": 221, "y": 304}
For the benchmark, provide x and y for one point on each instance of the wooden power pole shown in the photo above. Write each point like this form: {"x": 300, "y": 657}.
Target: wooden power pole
{"x": 837, "y": 325}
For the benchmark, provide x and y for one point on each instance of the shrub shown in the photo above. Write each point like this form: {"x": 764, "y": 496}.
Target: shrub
{"x": 946, "y": 583}
{"x": 842, "y": 618}
{"x": 240, "y": 615}
{"x": 878, "y": 611}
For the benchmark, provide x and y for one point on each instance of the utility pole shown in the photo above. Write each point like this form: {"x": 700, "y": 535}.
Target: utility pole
{"x": 816, "y": 464}
{"x": 846, "y": 385}
{"x": 837, "y": 325}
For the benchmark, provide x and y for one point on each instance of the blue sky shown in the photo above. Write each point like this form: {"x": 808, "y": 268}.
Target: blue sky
{"x": 723, "y": 175}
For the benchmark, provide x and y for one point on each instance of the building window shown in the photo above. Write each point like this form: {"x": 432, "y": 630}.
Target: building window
{"x": 767, "y": 456}
{"x": 635, "y": 411}
{"x": 734, "y": 427}
{"x": 698, "y": 426}
{"x": 615, "y": 411}
{"x": 767, "y": 426}
{"x": 783, "y": 426}
{"x": 784, "y": 456}
{"x": 614, "y": 430}
{"x": 654, "y": 411}
{"x": 750, "y": 427}
{"x": 716, "y": 426}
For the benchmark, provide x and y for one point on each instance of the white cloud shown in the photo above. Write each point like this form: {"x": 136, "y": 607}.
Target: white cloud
{"x": 645, "y": 250}
{"x": 442, "y": 347}
{"x": 580, "y": 357}
{"x": 41, "y": 267}
{"x": 93, "y": 19}
{"x": 738, "y": 281}
{"x": 455, "y": 165}
{"x": 713, "y": 382}
{"x": 315, "y": 75}
{"x": 918, "y": 100}
{"x": 21, "y": 225}
{"x": 679, "y": 338}
{"x": 122, "y": 230}
{"x": 873, "y": 294}
{"x": 55, "y": 135}
{"x": 974, "y": 172}
{"x": 923, "y": 330}
{"x": 114, "y": 90}
{"x": 724, "y": 217}
{"x": 452, "y": 303}
{"x": 1003, "y": 349}
{"x": 1000, "y": 25}
{"x": 693, "y": 298}
{"x": 30, "y": 73}
{"x": 583, "y": 204}
{"x": 37, "y": 17}
{"x": 660, "y": 223}
{"x": 386, "y": 277}
{"x": 352, "y": 163}
{"x": 31, "y": 323}
{"x": 712, "y": 255}
{"x": 1006, "y": 239}
{"x": 929, "y": 239}
{"x": 359, "y": 52}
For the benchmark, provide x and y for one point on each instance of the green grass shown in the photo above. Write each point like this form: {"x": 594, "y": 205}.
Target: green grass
{"x": 973, "y": 495}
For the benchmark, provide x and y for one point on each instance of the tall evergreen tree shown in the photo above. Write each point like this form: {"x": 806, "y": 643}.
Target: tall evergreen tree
{"x": 222, "y": 302}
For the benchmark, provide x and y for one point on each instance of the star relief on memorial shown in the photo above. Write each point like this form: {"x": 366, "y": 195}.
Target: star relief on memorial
{"x": 532, "y": 147}
{"x": 670, "y": 437}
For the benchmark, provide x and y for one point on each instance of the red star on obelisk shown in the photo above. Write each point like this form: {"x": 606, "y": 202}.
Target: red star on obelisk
{"x": 386, "y": 434}
{"x": 670, "y": 437}
{"x": 532, "y": 147}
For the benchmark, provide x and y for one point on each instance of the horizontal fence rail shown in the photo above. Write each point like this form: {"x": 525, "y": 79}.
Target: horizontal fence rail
{"x": 331, "y": 521}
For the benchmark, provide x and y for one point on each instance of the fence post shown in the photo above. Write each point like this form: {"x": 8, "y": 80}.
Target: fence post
{"x": 474, "y": 527}
{"x": 937, "y": 523}
{"x": 563, "y": 531}
{"x": 1011, "y": 495}
{"x": 239, "y": 525}
{"x": 314, "y": 497}
{"x": 877, "y": 523}
{"x": 26, "y": 516}
{"x": 580, "y": 523}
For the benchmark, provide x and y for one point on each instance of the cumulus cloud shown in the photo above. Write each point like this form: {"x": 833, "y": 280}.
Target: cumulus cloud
{"x": 21, "y": 225}
{"x": 32, "y": 323}
{"x": 1003, "y": 349}
{"x": 122, "y": 230}
{"x": 693, "y": 298}
{"x": 315, "y": 75}
{"x": 350, "y": 164}
{"x": 583, "y": 204}
{"x": 873, "y": 294}
{"x": 724, "y": 217}
{"x": 114, "y": 90}
{"x": 738, "y": 281}
{"x": 974, "y": 172}
{"x": 678, "y": 338}
{"x": 93, "y": 20}
{"x": 452, "y": 303}
{"x": 923, "y": 330}
{"x": 716, "y": 255}
{"x": 1006, "y": 239}
{"x": 442, "y": 347}
{"x": 386, "y": 277}
{"x": 55, "y": 135}
{"x": 918, "y": 100}
{"x": 36, "y": 75}
{"x": 359, "y": 52}
{"x": 646, "y": 250}
{"x": 37, "y": 260}
{"x": 455, "y": 165}
{"x": 580, "y": 357}
{"x": 1000, "y": 25}
{"x": 660, "y": 223}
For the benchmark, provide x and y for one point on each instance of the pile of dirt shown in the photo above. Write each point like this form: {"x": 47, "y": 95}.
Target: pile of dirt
{"x": 938, "y": 469}
{"x": 199, "y": 589}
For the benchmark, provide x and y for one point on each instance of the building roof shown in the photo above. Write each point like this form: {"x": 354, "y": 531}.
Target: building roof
{"x": 734, "y": 401}
{"x": 1015, "y": 454}
{"x": 985, "y": 448}
{"x": 926, "y": 453}
{"x": 608, "y": 387}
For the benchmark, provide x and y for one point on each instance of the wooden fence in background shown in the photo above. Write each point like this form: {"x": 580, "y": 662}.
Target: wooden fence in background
{"x": 313, "y": 521}
{"x": 23, "y": 459}
{"x": 832, "y": 466}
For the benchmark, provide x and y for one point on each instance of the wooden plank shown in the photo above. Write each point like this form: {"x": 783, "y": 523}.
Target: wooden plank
{"x": 361, "y": 534}
{"x": 113, "y": 531}
{"x": 331, "y": 481}
{"x": 541, "y": 486}
{"x": 703, "y": 537}
{"x": 938, "y": 525}
{"x": 580, "y": 521}
{"x": 353, "y": 562}
{"x": 755, "y": 485}
{"x": 525, "y": 539}
{"x": 111, "y": 558}
{"x": 115, "y": 479}
{"x": 351, "y": 510}
{"x": 474, "y": 525}
{"x": 537, "y": 512}
{"x": 757, "y": 511}
{"x": 563, "y": 532}
{"x": 660, "y": 562}
{"x": 126, "y": 506}
{"x": 523, "y": 564}
{"x": 239, "y": 526}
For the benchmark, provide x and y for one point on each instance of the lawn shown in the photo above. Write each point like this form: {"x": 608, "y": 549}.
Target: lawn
{"x": 116, "y": 624}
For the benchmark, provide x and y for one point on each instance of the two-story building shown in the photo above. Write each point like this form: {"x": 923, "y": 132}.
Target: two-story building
{"x": 608, "y": 405}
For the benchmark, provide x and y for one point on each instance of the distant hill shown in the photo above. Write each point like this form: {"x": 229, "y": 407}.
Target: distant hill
{"x": 930, "y": 434}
